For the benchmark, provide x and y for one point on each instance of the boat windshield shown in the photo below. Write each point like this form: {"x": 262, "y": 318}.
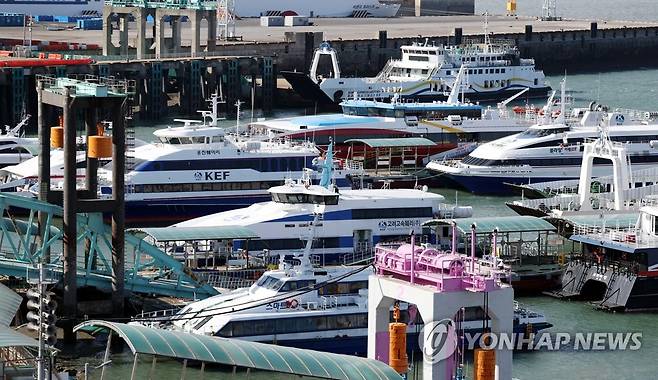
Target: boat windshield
{"x": 305, "y": 198}
{"x": 269, "y": 282}
{"x": 541, "y": 132}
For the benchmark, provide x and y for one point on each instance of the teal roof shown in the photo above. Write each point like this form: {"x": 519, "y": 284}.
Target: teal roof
{"x": 502, "y": 224}
{"x": 239, "y": 353}
{"x": 199, "y": 233}
{"x": 9, "y": 304}
{"x": 394, "y": 142}
{"x": 607, "y": 219}
{"x": 11, "y": 338}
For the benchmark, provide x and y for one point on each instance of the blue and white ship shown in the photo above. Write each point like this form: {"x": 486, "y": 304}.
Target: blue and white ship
{"x": 198, "y": 169}
{"x": 319, "y": 308}
{"x": 351, "y": 221}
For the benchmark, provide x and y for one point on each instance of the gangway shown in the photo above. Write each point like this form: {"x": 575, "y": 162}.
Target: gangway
{"x": 148, "y": 270}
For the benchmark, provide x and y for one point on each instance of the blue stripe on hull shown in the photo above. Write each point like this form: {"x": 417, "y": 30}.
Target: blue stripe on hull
{"x": 168, "y": 211}
{"x": 358, "y": 345}
{"x": 485, "y": 185}
{"x": 171, "y": 210}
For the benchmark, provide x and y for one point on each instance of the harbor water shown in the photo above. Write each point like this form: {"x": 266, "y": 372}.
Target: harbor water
{"x": 631, "y": 10}
{"x": 634, "y": 89}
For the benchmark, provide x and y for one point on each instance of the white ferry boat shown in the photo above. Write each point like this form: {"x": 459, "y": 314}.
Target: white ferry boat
{"x": 53, "y": 7}
{"x": 352, "y": 221}
{"x": 447, "y": 123}
{"x": 324, "y": 309}
{"x": 15, "y": 147}
{"x": 495, "y": 71}
{"x": 198, "y": 169}
{"x": 552, "y": 152}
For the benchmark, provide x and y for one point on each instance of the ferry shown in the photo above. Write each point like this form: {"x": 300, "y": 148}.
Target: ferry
{"x": 617, "y": 266}
{"x": 446, "y": 123}
{"x": 352, "y": 221}
{"x": 426, "y": 72}
{"x": 198, "y": 169}
{"x": 15, "y": 147}
{"x": 319, "y": 308}
{"x": 551, "y": 152}
{"x": 250, "y": 8}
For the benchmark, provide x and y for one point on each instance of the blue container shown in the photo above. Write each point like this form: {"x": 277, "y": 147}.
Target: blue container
{"x": 90, "y": 24}
{"x": 11, "y": 19}
{"x": 43, "y": 18}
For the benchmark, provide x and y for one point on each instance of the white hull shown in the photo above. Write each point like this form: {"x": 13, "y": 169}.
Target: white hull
{"x": 336, "y": 8}
{"x": 52, "y": 8}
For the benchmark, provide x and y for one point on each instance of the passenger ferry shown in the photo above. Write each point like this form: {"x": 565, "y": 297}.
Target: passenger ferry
{"x": 351, "y": 221}
{"x": 319, "y": 308}
{"x": 552, "y": 152}
{"x": 426, "y": 72}
{"x": 446, "y": 123}
{"x": 198, "y": 169}
{"x": 92, "y": 8}
{"x": 15, "y": 147}
{"x": 617, "y": 266}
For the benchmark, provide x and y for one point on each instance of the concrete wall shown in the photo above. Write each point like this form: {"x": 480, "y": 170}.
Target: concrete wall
{"x": 553, "y": 51}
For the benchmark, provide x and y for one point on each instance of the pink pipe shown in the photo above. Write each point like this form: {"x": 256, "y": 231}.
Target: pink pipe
{"x": 495, "y": 242}
{"x": 413, "y": 258}
{"x": 454, "y": 238}
{"x": 473, "y": 248}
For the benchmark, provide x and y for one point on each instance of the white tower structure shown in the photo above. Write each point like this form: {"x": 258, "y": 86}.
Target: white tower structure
{"x": 226, "y": 19}
{"x": 549, "y": 10}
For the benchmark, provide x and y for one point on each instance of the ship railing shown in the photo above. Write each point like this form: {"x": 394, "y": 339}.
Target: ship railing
{"x": 328, "y": 302}
{"x": 363, "y": 251}
{"x": 384, "y": 73}
{"x": 154, "y": 318}
{"x": 230, "y": 279}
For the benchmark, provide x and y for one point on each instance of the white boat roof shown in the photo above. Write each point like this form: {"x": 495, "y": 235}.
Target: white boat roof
{"x": 189, "y": 131}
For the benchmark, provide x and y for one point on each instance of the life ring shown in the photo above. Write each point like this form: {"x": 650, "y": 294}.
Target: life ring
{"x": 292, "y": 304}
{"x": 518, "y": 109}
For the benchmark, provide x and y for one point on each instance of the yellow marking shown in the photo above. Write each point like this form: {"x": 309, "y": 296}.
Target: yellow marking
{"x": 445, "y": 127}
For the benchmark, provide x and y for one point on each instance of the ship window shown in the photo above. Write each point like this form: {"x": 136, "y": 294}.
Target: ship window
{"x": 269, "y": 282}
{"x": 480, "y": 71}
{"x": 502, "y": 71}
{"x": 174, "y": 140}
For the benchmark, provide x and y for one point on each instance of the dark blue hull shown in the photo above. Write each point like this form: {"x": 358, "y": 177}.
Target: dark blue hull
{"x": 358, "y": 345}
{"x": 485, "y": 185}
{"x": 167, "y": 211}
{"x": 170, "y": 211}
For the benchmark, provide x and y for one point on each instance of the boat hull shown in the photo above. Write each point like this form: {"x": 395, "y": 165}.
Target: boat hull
{"x": 330, "y": 97}
{"x": 357, "y": 344}
{"x": 489, "y": 185}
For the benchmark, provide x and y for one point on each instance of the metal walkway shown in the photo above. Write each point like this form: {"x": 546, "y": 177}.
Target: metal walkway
{"x": 148, "y": 269}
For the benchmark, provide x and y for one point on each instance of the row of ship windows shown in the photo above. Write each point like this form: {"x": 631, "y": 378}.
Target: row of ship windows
{"x": 390, "y": 213}
{"x": 294, "y": 325}
{"x": 576, "y": 141}
{"x": 205, "y": 186}
{"x": 549, "y": 161}
{"x": 474, "y": 113}
{"x": 259, "y": 164}
{"x": 318, "y": 323}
